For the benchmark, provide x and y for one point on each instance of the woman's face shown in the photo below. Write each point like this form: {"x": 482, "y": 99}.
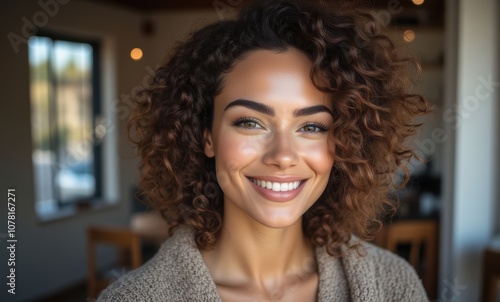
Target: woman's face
{"x": 270, "y": 138}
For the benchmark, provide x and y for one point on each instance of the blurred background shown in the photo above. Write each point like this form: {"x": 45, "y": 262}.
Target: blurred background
{"x": 70, "y": 68}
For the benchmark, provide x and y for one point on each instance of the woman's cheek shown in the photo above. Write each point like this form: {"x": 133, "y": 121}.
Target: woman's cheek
{"x": 234, "y": 152}
{"x": 319, "y": 155}
{"x": 239, "y": 147}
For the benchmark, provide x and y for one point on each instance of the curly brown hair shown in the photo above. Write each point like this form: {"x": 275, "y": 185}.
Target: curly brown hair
{"x": 359, "y": 68}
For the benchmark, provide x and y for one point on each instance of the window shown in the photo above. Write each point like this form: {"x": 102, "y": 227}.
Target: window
{"x": 64, "y": 107}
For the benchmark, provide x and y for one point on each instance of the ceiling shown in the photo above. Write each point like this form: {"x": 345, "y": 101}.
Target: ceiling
{"x": 158, "y": 5}
{"x": 431, "y": 10}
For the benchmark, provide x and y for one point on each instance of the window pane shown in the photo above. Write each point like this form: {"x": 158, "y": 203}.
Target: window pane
{"x": 43, "y": 155}
{"x": 74, "y": 174}
{"x": 62, "y": 121}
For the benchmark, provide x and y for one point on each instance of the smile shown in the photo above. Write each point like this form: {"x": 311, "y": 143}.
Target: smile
{"x": 276, "y": 186}
{"x": 273, "y": 188}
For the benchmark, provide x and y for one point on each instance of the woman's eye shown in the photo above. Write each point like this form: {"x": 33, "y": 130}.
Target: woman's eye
{"x": 247, "y": 124}
{"x": 313, "y": 128}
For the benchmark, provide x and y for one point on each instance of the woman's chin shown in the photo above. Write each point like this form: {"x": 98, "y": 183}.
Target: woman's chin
{"x": 280, "y": 222}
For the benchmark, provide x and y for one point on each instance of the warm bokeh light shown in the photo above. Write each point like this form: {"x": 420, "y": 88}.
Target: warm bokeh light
{"x": 409, "y": 35}
{"x": 418, "y": 2}
{"x": 136, "y": 54}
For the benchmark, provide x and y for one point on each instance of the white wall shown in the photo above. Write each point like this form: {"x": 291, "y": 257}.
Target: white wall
{"x": 52, "y": 256}
{"x": 496, "y": 210}
{"x": 472, "y": 158}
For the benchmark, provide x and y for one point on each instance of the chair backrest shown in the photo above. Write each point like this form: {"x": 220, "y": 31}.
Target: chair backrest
{"x": 422, "y": 238}
{"x": 491, "y": 275}
{"x": 128, "y": 243}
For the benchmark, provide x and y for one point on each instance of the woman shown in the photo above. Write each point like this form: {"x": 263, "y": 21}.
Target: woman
{"x": 269, "y": 143}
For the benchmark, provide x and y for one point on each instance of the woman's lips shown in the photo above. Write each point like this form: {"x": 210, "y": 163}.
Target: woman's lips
{"x": 278, "y": 191}
{"x": 276, "y": 185}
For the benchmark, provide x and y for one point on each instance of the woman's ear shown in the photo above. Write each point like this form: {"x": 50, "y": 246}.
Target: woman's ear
{"x": 208, "y": 145}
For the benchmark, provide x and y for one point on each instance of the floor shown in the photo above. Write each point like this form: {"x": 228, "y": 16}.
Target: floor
{"x": 76, "y": 293}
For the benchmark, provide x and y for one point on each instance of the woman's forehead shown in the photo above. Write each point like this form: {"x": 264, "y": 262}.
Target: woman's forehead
{"x": 267, "y": 75}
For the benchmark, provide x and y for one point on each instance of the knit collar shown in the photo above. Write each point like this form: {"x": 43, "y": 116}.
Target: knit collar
{"x": 346, "y": 276}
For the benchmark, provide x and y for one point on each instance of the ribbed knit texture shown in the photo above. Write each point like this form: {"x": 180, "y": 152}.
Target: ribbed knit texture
{"x": 177, "y": 273}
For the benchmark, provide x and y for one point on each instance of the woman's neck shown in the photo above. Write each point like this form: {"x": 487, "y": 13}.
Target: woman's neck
{"x": 249, "y": 252}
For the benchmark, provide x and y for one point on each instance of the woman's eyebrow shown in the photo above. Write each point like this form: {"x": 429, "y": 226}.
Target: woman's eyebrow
{"x": 312, "y": 110}
{"x": 263, "y": 108}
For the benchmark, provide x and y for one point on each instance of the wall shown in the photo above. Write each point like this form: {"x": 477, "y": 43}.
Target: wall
{"x": 469, "y": 215}
{"x": 496, "y": 210}
{"x": 51, "y": 256}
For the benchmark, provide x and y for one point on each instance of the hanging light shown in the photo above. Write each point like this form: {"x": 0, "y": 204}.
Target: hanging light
{"x": 409, "y": 35}
{"x": 136, "y": 54}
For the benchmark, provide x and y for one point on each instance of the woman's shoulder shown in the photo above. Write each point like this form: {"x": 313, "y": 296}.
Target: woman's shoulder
{"x": 175, "y": 273}
{"x": 395, "y": 277}
{"x": 380, "y": 274}
{"x": 138, "y": 285}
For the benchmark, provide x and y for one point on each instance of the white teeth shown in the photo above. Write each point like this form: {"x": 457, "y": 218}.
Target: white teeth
{"x": 277, "y": 186}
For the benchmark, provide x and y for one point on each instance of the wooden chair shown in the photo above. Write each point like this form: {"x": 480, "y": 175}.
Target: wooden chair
{"x": 491, "y": 275}
{"x": 422, "y": 238}
{"x": 128, "y": 244}
{"x": 150, "y": 226}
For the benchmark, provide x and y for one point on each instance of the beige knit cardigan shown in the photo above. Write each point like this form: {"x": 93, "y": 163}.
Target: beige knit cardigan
{"x": 177, "y": 273}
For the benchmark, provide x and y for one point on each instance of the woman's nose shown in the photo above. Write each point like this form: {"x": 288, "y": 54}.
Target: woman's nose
{"x": 281, "y": 151}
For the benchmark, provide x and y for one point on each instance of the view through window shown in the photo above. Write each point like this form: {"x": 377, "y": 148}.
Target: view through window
{"x": 64, "y": 104}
